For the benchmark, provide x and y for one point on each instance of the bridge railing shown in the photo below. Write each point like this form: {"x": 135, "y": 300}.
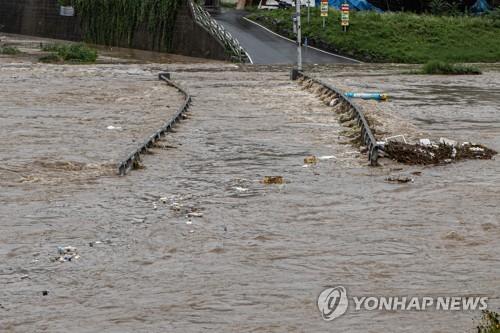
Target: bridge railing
{"x": 134, "y": 158}
{"x": 231, "y": 44}
{"x": 367, "y": 137}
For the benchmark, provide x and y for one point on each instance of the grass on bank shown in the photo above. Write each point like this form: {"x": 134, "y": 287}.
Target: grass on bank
{"x": 445, "y": 68}
{"x": 400, "y": 37}
{"x": 9, "y": 50}
{"x": 72, "y": 53}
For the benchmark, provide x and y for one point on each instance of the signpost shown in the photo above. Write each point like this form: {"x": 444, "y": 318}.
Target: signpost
{"x": 345, "y": 16}
{"x": 324, "y": 10}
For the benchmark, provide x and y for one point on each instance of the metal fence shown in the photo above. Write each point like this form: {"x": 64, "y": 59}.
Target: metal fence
{"x": 367, "y": 136}
{"x": 134, "y": 157}
{"x": 232, "y": 46}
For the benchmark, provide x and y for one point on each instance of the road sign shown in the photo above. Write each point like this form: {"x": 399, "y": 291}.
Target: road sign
{"x": 345, "y": 14}
{"x": 324, "y": 8}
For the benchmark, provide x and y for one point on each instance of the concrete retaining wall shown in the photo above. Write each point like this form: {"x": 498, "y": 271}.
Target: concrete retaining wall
{"x": 37, "y": 18}
{"x": 193, "y": 40}
{"x": 41, "y": 18}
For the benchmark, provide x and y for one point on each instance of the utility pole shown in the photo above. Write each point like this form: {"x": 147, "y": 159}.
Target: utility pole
{"x": 299, "y": 35}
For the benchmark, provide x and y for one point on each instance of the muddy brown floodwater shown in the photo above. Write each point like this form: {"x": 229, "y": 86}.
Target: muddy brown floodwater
{"x": 196, "y": 242}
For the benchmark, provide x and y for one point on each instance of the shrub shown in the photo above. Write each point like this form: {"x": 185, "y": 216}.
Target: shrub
{"x": 494, "y": 15}
{"x": 75, "y": 53}
{"x": 445, "y": 68}
{"x": 78, "y": 53}
{"x": 11, "y": 50}
{"x": 51, "y": 58}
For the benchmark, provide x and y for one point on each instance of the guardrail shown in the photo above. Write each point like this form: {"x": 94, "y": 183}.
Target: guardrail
{"x": 134, "y": 157}
{"x": 231, "y": 44}
{"x": 367, "y": 136}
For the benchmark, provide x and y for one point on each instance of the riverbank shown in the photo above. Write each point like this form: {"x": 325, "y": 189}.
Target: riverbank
{"x": 395, "y": 37}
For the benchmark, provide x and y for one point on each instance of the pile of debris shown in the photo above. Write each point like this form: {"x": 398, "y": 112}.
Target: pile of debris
{"x": 273, "y": 180}
{"x": 427, "y": 152}
{"x": 66, "y": 253}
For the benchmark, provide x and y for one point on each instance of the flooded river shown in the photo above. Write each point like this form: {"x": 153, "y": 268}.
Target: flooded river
{"x": 196, "y": 242}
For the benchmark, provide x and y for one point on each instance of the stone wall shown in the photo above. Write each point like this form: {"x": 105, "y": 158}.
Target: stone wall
{"x": 41, "y": 18}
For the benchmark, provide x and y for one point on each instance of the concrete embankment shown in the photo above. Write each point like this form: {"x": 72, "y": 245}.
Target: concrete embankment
{"x": 42, "y": 18}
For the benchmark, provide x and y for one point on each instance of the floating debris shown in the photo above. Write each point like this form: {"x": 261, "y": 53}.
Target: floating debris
{"x": 375, "y": 96}
{"x": 240, "y": 189}
{"x": 111, "y": 127}
{"x": 66, "y": 249}
{"x": 400, "y": 179}
{"x": 137, "y": 165}
{"x": 107, "y": 241}
{"x": 425, "y": 142}
{"x": 310, "y": 160}
{"x": 393, "y": 138}
{"x": 329, "y": 157}
{"x": 334, "y": 102}
{"x": 195, "y": 214}
{"x": 273, "y": 180}
{"x": 453, "y": 235}
{"x": 66, "y": 253}
{"x": 490, "y": 322}
{"x": 448, "y": 142}
{"x": 175, "y": 206}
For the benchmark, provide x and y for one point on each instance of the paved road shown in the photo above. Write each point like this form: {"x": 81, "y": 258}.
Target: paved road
{"x": 265, "y": 47}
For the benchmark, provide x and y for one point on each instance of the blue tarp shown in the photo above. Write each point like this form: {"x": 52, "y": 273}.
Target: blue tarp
{"x": 354, "y": 4}
{"x": 480, "y": 6}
